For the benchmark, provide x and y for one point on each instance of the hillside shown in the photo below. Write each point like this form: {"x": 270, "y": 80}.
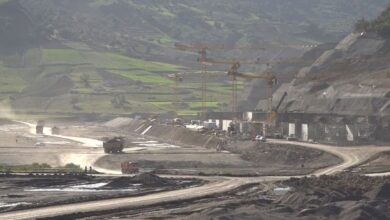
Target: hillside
{"x": 113, "y": 57}
{"x": 353, "y": 78}
{"x": 148, "y": 29}
{"x": 69, "y": 81}
{"x": 380, "y": 25}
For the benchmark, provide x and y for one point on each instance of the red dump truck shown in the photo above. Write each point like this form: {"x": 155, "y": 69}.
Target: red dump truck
{"x": 129, "y": 167}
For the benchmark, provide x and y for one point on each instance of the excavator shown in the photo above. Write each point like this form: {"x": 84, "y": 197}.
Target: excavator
{"x": 273, "y": 114}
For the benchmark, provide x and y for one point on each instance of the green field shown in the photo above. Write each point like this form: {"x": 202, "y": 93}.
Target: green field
{"x": 144, "y": 85}
{"x": 61, "y": 56}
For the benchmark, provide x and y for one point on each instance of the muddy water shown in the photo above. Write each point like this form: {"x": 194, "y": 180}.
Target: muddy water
{"x": 96, "y": 187}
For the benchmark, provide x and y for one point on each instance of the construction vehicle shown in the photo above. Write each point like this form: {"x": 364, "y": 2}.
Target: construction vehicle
{"x": 129, "y": 167}
{"x": 178, "y": 122}
{"x": 202, "y": 56}
{"x": 113, "y": 145}
{"x": 39, "y": 127}
{"x": 177, "y": 78}
{"x": 55, "y": 130}
{"x": 201, "y": 49}
{"x": 271, "y": 118}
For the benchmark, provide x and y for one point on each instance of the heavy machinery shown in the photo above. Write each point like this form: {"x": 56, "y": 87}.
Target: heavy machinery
{"x": 274, "y": 113}
{"x": 129, "y": 167}
{"x": 233, "y": 72}
{"x": 177, "y": 78}
{"x": 39, "y": 127}
{"x": 55, "y": 130}
{"x": 201, "y": 49}
{"x": 177, "y": 122}
{"x": 271, "y": 81}
{"x": 113, "y": 145}
{"x": 202, "y": 56}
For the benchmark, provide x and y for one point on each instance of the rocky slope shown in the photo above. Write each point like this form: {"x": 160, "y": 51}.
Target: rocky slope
{"x": 350, "y": 79}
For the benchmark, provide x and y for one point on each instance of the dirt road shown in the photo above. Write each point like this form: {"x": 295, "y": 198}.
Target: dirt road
{"x": 351, "y": 155}
{"x": 176, "y": 195}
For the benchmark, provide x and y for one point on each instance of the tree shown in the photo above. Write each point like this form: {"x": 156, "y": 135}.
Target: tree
{"x": 85, "y": 78}
{"x": 380, "y": 25}
{"x": 362, "y": 25}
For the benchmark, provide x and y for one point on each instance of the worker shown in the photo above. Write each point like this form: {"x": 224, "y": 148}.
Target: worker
{"x": 219, "y": 146}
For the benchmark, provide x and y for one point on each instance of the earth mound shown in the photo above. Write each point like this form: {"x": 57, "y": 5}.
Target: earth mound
{"x": 380, "y": 192}
{"x": 146, "y": 179}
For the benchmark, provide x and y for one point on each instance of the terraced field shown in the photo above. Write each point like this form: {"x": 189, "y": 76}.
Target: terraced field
{"x": 78, "y": 79}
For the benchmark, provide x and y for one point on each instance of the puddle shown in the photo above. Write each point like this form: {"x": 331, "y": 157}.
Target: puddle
{"x": 145, "y": 142}
{"x": 96, "y": 187}
{"x": 281, "y": 191}
{"x": 57, "y": 142}
{"x": 7, "y": 205}
{"x": 159, "y": 145}
{"x": 90, "y": 186}
{"x": 132, "y": 149}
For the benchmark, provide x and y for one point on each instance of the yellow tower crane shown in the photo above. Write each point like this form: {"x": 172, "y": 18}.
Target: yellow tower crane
{"x": 201, "y": 49}
{"x": 176, "y": 78}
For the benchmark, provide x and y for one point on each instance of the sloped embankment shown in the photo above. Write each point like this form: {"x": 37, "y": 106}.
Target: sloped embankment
{"x": 169, "y": 134}
{"x": 182, "y": 136}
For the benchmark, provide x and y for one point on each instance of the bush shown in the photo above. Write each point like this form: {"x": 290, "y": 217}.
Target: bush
{"x": 380, "y": 25}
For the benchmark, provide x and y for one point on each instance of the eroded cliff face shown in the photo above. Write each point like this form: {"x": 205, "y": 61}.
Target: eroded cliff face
{"x": 353, "y": 78}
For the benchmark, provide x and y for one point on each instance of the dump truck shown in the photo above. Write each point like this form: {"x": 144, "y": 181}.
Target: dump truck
{"x": 113, "y": 145}
{"x": 129, "y": 167}
{"x": 39, "y": 127}
{"x": 55, "y": 130}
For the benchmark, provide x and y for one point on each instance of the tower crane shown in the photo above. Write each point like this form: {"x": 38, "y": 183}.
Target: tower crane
{"x": 177, "y": 78}
{"x": 201, "y": 49}
{"x": 233, "y": 72}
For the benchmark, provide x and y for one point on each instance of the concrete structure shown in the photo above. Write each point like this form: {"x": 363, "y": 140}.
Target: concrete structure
{"x": 322, "y": 128}
{"x": 335, "y": 129}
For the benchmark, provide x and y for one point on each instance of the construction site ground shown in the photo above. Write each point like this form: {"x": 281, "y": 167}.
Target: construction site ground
{"x": 343, "y": 196}
{"x": 276, "y": 158}
{"x": 26, "y": 192}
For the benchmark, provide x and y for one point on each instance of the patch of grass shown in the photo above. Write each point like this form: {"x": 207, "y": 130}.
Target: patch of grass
{"x": 61, "y": 56}
{"x": 55, "y": 69}
{"x": 3, "y": 2}
{"x": 116, "y": 61}
{"x": 33, "y": 57}
{"x": 165, "y": 40}
{"x": 145, "y": 77}
{"x": 141, "y": 64}
{"x": 164, "y": 11}
{"x": 187, "y": 112}
{"x": 11, "y": 80}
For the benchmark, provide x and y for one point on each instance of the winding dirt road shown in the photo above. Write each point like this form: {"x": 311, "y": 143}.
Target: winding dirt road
{"x": 351, "y": 156}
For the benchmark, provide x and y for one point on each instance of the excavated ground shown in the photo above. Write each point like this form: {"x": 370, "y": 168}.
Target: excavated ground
{"x": 243, "y": 158}
{"x": 378, "y": 164}
{"x": 198, "y": 156}
{"x": 343, "y": 196}
{"x": 23, "y": 192}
